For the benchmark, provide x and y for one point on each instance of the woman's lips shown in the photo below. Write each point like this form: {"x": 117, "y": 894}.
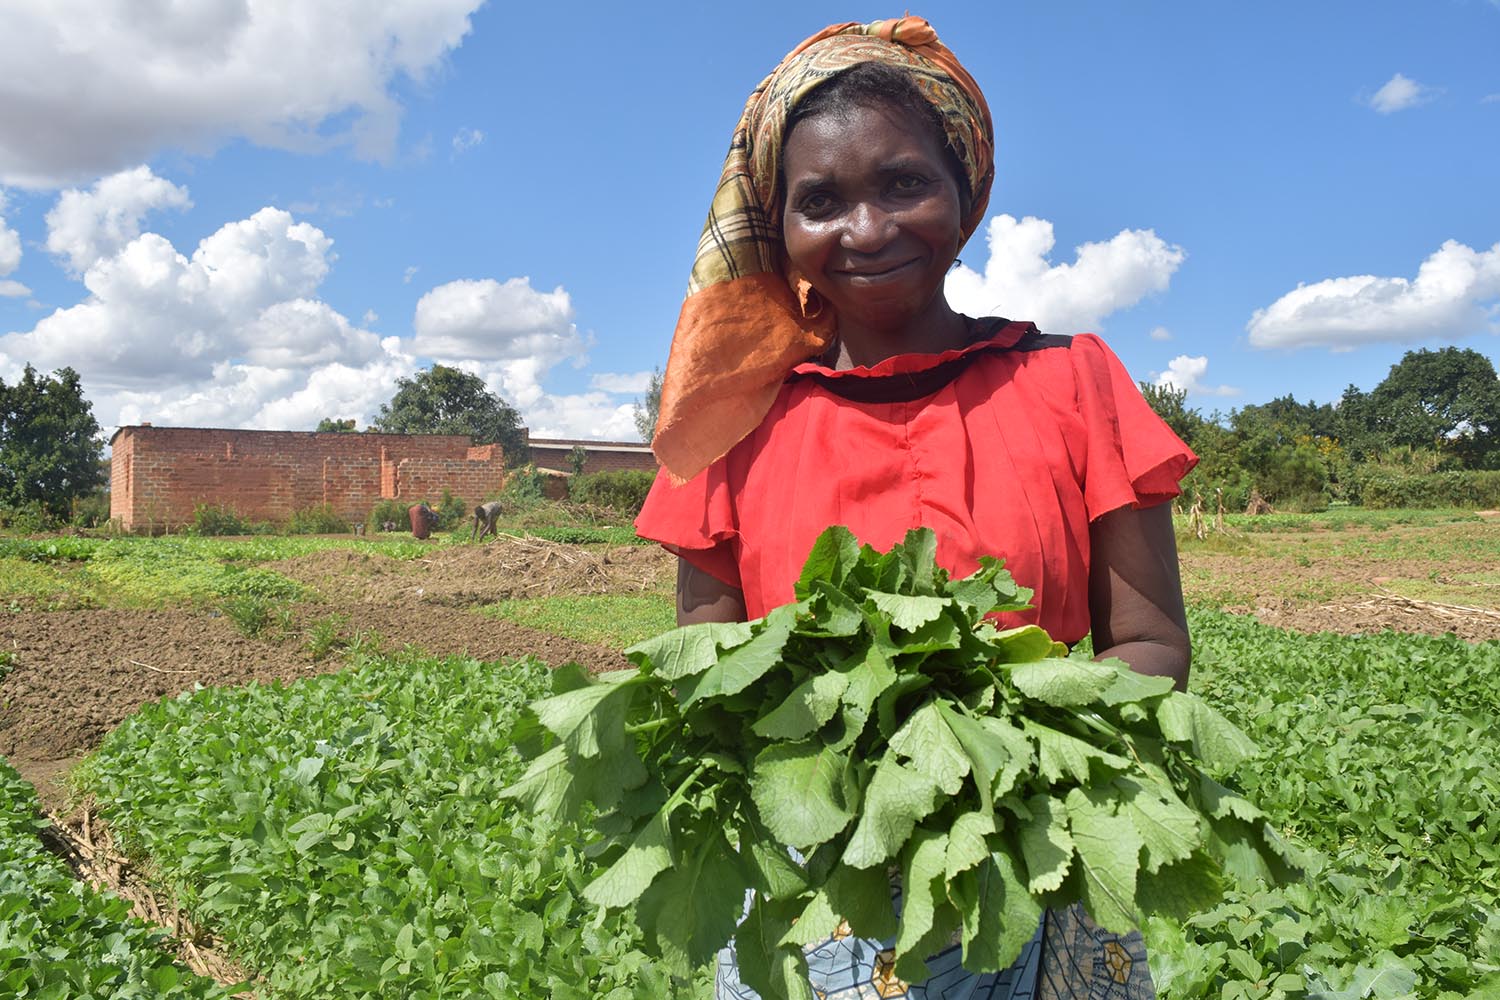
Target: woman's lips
{"x": 874, "y": 275}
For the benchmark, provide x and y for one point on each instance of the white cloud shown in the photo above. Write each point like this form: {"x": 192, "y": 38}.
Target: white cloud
{"x": 1021, "y": 282}
{"x": 1186, "y": 373}
{"x": 90, "y": 87}
{"x": 10, "y": 245}
{"x": 487, "y": 320}
{"x": 1456, "y": 293}
{"x": 1161, "y": 333}
{"x": 1400, "y": 93}
{"x": 633, "y": 382}
{"x": 408, "y": 274}
{"x": 370, "y": 318}
{"x": 12, "y": 289}
{"x": 465, "y": 139}
{"x": 87, "y": 226}
{"x": 1490, "y": 99}
{"x": 154, "y": 316}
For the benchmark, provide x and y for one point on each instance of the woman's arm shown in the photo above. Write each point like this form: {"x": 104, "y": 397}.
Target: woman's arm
{"x": 1135, "y": 593}
{"x": 703, "y": 597}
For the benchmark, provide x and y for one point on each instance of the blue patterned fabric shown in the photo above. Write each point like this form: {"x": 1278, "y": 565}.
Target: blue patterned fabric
{"x": 845, "y": 967}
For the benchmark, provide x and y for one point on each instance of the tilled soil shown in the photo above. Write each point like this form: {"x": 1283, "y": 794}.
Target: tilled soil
{"x": 79, "y": 673}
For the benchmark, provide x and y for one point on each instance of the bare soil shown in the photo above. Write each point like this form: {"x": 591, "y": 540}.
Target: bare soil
{"x": 79, "y": 673}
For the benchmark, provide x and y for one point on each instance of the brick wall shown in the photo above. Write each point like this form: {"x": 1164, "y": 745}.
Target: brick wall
{"x": 159, "y": 474}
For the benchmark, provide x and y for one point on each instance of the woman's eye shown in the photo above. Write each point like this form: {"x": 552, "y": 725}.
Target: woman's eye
{"x": 816, "y": 204}
{"x": 910, "y": 182}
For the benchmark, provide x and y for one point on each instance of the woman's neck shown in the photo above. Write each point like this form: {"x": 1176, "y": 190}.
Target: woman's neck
{"x": 862, "y": 346}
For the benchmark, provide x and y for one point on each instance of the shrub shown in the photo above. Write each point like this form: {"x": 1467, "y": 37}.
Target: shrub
{"x": 624, "y": 491}
{"x": 451, "y": 511}
{"x": 1478, "y": 490}
{"x": 217, "y": 519}
{"x": 319, "y": 520}
{"x": 90, "y": 511}
{"x": 28, "y": 518}
{"x": 524, "y": 488}
{"x": 387, "y": 511}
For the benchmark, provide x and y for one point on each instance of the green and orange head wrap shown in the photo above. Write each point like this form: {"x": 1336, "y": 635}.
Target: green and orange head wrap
{"x": 748, "y": 320}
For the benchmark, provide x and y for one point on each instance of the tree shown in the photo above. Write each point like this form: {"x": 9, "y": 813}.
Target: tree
{"x": 333, "y": 425}
{"x": 647, "y": 410}
{"x": 1447, "y": 400}
{"x": 443, "y": 400}
{"x": 49, "y": 442}
{"x": 1170, "y": 403}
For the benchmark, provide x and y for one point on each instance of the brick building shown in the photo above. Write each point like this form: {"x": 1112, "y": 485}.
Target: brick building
{"x": 159, "y": 474}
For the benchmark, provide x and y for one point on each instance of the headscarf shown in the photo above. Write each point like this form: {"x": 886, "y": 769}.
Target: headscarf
{"x": 749, "y": 317}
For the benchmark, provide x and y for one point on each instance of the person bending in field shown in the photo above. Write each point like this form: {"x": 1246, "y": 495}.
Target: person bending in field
{"x": 485, "y": 516}
{"x": 819, "y": 376}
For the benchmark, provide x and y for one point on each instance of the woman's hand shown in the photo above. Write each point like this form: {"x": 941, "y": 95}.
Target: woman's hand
{"x": 1135, "y": 592}
{"x": 703, "y": 597}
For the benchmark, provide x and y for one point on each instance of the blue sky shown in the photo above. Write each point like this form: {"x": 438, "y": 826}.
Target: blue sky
{"x": 262, "y": 214}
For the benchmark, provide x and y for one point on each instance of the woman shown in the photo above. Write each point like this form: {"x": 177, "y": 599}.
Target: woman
{"x": 818, "y": 376}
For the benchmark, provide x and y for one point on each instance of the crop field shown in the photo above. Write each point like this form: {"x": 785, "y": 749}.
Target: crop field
{"x": 287, "y": 752}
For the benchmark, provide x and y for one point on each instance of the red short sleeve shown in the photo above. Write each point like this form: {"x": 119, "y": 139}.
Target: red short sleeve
{"x": 1133, "y": 457}
{"x": 696, "y": 521}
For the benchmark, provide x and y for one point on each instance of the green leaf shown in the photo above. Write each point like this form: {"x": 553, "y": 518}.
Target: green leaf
{"x": 691, "y": 910}
{"x": 918, "y": 554}
{"x": 933, "y": 750}
{"x": 1046, "y": 846}
{"x": 999, "y": 915}
{"x": 907, "y": 612}
{"x": 774, "y": 970}
{"x": 745, "y": 664}
{"x": 1063, "y": 682}
{"x": 648, "y": 855}
{"x": 1130, "y": 686}
{"x": 1109, "y": 851}
{"x": 1169, "y": 829}
{"x": 591, "y": 719}
{"x": 922, "y": 897}
{"x": 1060, "y": 755}
{"x": 811, "y": 704}
{"x": 798, "y": 792}
{"x": 833, "y": 555}
{"x": 989, "y": 588}
{"x": 998, "y": 752}
{"x": 1180, "y": 890}
{"x": 1216, "y": 741}
{"x": 688, "y": 650}
{"x": 967, "y": 845}
{"x": 836, "y": 614}
{"x": 1024, "y": 644}
{"x": 862, "y": 896}
{"x": 897, "y": 798}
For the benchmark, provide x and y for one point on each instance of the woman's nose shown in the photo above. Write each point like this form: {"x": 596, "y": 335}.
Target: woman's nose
{"x": 867, "y": 228}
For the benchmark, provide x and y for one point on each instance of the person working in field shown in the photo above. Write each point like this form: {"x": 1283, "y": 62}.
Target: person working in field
{"x": 819, "y": 376}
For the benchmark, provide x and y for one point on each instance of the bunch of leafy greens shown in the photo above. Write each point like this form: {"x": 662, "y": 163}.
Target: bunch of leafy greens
{"x": 879, "y": 726}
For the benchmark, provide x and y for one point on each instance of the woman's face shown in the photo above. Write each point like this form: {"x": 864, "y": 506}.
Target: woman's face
{"x": 873, "y": 216}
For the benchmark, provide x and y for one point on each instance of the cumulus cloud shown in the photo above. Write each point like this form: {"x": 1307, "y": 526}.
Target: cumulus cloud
{"x": 488, "y": 320}
{"x": 620, "y": 383}
{"x": 87, "y": 226}
{"x": 1186, "y": 373}
{"x": 466, "y": 139}
{"x": 1455, "y": 294}
{"x": 207, "y": 335}
{"x": 1399, "y": 93}
{"x": 92, "y": 87}
{"x": 1161, "y": 333}
{"x": 1020, "y": 281}
{"x": 10, "y": 257}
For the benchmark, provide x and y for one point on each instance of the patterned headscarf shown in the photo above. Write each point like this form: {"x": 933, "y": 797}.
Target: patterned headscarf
{"x": 749, "y": 318}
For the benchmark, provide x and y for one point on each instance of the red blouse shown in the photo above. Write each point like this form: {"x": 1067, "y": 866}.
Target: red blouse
{"x": 1008, "y": 447}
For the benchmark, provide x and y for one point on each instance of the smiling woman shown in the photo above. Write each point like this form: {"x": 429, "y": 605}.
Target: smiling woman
{"x": 819, "y": 376}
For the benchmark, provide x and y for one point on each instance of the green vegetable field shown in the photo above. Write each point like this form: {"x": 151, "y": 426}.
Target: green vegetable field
{"x": 345, "y": 836}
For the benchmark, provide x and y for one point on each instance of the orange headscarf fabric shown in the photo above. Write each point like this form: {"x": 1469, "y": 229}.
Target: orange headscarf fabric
{"x": 749, "y": 318}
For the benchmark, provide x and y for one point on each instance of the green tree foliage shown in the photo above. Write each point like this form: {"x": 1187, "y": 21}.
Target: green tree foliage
{"x": 1170, "y": 403}
{"x": 443, "y": 400}
{"x": 49, "y": 442}
{"x": 333, "y": 425}
{"x": 1447, "y": 400}
{"x": 649, "y": 408}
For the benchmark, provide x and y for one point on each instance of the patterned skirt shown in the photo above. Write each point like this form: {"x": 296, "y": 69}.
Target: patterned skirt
{"x": 1068, "y": 958}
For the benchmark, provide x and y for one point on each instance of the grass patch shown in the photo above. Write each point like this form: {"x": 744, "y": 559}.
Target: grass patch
{"x": 612, "y": 620}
